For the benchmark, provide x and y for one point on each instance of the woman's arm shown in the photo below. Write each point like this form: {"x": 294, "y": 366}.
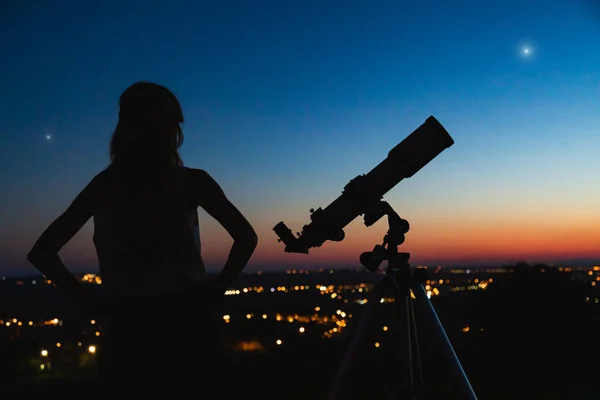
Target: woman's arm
{"x": 212, "y": 199}
{"x": 44, "y": 254}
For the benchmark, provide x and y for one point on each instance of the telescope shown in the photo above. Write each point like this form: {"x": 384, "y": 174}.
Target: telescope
{"x": 363, "y": 196}
{"x": 403, "y": 161}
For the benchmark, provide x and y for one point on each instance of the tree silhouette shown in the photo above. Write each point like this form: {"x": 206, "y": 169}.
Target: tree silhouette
{"x": 535, "y": 328}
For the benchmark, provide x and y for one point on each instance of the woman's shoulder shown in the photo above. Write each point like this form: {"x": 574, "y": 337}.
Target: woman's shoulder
{"x": 101, "y": 178}
{"x": 191, "y": 170}
{"x": 201, "y": 184}
{"x": 92, "y": 192}
{"x": 196, "y": 175}
{"x": 112, "y": 178}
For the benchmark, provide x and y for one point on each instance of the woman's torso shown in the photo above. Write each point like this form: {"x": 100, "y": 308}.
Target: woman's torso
{"x": 146, "y": 230}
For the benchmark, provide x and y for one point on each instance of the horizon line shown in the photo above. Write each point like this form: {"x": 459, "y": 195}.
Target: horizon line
{"x": 574, "y": 263}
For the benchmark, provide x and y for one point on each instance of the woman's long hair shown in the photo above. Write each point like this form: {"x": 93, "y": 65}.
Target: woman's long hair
{"x": 149, "y": 127}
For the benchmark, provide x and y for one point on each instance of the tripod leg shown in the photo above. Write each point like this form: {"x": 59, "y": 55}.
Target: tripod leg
{"x": 404, "y": 388}
{"x": 409, "y": 344}
{"x": 355, "y": 340}
{"x": 428, "y": 316}
{"x": 417, "y": 359}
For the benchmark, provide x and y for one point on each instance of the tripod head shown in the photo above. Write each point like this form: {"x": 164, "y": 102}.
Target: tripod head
{"x": 388, "y": 250}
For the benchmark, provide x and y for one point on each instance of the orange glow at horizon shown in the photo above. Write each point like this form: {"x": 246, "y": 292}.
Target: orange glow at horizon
{"x": 432, "y": 237}
{"x": 451, "y": 241}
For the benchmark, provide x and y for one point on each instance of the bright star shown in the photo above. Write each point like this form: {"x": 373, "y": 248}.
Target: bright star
{"x": 526, "y": 49}
{"x": 48, "y": 137}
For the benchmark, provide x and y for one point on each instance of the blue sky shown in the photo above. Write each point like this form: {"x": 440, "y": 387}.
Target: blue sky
{"x": 286, "y": 101}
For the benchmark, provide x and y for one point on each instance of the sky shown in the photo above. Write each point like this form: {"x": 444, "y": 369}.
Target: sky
{"x": 286, "y": 101}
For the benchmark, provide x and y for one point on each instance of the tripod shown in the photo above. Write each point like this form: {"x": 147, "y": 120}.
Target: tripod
{"x": 403, "y": 281}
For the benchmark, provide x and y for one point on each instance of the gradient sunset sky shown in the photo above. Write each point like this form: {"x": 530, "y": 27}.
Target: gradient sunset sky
{"x": 286, "y": 101}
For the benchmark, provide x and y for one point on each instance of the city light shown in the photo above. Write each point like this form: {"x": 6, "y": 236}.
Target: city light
{"x": 326, "y": 312}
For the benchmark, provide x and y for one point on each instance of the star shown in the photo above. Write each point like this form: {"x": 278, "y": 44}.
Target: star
{"x": 526, "y": 51}
{"x": 48, "y": 137}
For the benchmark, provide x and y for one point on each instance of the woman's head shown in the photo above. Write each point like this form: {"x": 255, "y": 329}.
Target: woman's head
{"x": 149, "y": 126}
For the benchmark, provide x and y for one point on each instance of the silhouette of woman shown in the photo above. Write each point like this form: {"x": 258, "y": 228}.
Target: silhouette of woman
{"x": 161, "y": 337}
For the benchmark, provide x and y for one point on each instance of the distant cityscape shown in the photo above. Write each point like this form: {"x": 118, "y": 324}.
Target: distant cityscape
{"x": 265, "y": 313}
{"x": 328, "y": 315}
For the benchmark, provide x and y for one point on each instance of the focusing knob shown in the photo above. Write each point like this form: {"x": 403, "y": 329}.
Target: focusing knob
{"x": 404, "y": 225}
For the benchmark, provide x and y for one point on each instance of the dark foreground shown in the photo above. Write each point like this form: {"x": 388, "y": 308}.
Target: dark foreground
{"x": 275, "y": 378}
{"x": 533, "y": 336}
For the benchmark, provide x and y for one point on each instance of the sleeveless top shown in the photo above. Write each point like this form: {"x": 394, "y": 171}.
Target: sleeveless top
{"x": 146, "y": 230}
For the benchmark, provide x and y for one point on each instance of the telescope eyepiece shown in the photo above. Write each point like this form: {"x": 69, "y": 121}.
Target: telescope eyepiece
{"x": 284, "y": 233}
